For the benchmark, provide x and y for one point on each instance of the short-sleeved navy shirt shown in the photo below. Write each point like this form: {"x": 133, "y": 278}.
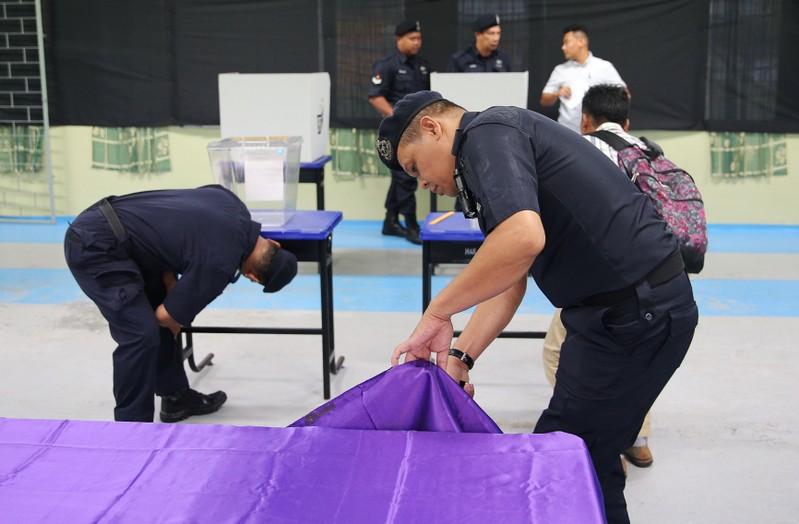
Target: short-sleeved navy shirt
{"x": 203, "y": 234}
{"x": 396, "y": 75}
{"x": 602, "y": 233}
{"x": 470, "y": 61}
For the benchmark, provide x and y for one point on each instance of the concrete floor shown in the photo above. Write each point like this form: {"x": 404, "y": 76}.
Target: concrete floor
{"x": 725, "y": 430}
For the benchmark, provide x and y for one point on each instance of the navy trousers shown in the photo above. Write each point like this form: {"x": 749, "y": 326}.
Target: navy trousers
{"x": 401, "y": 197}
{"x": 614, "y": 363}
{"x": 147, "y": 360}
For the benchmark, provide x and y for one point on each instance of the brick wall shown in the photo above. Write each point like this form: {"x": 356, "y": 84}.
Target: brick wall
{"x": 20, "y": 84}
{"x": 24, "y": 190}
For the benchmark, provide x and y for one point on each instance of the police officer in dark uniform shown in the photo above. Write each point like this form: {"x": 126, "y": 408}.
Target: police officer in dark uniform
{"x": 484, "y": 56}
{"x": 395, "y": 75}
{"x": 125, "y": 251}
{"x": 552, "y": 206}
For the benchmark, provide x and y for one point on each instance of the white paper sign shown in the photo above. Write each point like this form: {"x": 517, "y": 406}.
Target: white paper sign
{"x": 263, "y": 179}
{"x": 579, "y": 87}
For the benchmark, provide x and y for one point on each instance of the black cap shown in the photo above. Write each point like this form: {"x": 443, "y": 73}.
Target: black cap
{"x": 483, "y": 22}
{"x": 392, "y": 127}
{"x": 281, "y": 271}
{"x": 408, "y": 26}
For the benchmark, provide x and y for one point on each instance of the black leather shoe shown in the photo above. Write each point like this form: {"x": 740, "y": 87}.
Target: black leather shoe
{"x": 413, "y": 235}
{"x": 188, "y": 403}
{"x": 392, "y": 226}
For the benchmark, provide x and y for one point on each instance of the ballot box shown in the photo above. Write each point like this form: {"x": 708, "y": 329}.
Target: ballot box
{"x": 262, "y": 171}
{"x": 479, "y": 91}
{"x": 277, "y": 104}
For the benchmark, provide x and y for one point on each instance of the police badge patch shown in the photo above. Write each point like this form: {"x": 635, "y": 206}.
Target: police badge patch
{"x": 384, "y": 148}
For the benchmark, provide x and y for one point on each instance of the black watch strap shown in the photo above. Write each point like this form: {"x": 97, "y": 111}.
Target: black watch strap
{"x": 463, "y": 357}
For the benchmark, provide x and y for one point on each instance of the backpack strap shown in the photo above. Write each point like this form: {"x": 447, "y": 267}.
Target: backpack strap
{"x": 612, "y": 139}
{"x": 652, "y": 150}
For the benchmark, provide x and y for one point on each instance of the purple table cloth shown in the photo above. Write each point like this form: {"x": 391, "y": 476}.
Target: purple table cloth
{"x": 415, "y": 396}
{"x": 81, "y": 471}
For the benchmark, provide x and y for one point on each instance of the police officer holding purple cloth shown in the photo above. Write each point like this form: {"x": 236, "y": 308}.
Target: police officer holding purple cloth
{"x": 553, "y": 207}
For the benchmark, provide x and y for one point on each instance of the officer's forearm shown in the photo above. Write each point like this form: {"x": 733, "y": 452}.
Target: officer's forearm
{"x": 489, "y": 319}
{"x": 382, "y": 105}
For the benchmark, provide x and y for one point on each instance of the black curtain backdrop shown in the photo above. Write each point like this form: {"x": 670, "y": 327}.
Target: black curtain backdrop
{"x": 690, "y": 64}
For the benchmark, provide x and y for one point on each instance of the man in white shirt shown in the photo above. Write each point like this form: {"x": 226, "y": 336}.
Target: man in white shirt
{"x": 570, "y": 80}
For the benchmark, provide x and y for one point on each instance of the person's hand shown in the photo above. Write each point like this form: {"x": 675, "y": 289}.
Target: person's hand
{"x": 432, "y": 335}
{"x": 565, "y": 92}
{"x": 165, "y": 320}
{"x": 460, "y": 373}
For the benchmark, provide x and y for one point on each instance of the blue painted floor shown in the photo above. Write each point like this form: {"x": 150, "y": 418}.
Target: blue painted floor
{"x": 759, "y": 296}
{"x": 365, "y": 234}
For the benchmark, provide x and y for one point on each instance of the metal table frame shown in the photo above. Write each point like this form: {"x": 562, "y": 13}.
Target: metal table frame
{"x": 314, "y": 244}
{"x": 453, "y": 241}
{"x": 314, "y": 173}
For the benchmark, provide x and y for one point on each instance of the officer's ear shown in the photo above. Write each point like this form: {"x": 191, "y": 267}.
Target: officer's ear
{"x": 429, "y": 125}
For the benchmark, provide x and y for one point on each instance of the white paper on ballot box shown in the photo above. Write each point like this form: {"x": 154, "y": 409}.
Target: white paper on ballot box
{"x": 263, "y": 179}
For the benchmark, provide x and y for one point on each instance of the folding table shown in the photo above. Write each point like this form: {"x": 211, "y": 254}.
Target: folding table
{"x": 453, "y": 240}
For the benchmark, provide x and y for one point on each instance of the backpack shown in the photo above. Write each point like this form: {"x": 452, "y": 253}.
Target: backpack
{"x": 671, "y": 190}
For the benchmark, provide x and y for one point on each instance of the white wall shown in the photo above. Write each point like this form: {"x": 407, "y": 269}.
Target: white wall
{"x": 77, "y": 185}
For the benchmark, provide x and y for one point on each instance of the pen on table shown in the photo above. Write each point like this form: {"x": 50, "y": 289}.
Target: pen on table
{"x": 442, "y": 218}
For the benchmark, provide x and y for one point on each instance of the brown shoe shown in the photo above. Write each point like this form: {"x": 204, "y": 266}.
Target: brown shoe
{"x": 639, "y": 455}
{"x": 623, "y": 465}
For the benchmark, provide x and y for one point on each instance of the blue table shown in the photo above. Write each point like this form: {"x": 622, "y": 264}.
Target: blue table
{"x": 454, "y": 240}
{"x": 314, "y": 172}
{"x": 309, "y": 235}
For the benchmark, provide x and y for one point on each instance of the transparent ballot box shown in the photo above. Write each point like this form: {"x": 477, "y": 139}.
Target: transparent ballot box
{"x": 262, "y": 171}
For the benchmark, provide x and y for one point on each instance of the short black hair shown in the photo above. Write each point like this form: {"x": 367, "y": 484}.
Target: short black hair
{"x": 607, "y": 102}
{"x": 575, "y": 27}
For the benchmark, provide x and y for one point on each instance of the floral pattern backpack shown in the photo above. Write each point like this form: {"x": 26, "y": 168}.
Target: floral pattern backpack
{"x": 671, "y": 190}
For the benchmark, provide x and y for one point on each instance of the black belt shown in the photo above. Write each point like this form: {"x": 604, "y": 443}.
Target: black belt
{"x": 116, "y": 226}
{"x": 665, "y": 271}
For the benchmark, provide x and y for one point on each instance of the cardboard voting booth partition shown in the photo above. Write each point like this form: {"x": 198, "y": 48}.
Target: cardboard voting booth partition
{"x": 479, "y": 91}
{"x": 283, "y": 104}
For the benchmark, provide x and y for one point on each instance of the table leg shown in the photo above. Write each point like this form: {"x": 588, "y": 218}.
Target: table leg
{"x": 330, "y": 365}
{"x": 427, "y": 275}
{"x": 188, "y": 352}
{"x": 320, "y": 192}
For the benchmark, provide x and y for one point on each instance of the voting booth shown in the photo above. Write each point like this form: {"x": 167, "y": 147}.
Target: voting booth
{"x": 479, "y": 91}
{"x": 262, "y": 171}
{"x": 283, "y": 104}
